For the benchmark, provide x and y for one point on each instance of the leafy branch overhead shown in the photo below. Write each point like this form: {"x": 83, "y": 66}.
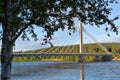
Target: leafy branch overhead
{"x": 53, "y": 15}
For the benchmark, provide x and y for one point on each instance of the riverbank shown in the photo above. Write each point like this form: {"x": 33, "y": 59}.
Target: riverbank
{"x": 58, "y": 59}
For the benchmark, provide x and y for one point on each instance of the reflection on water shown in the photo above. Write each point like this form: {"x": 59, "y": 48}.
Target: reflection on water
{"x": 45, "y": 71}
{"x": 64, "y": 66}
{"x": 65, "y": 71}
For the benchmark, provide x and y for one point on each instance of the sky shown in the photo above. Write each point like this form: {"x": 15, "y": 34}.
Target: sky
{"x": 63, "y": 38}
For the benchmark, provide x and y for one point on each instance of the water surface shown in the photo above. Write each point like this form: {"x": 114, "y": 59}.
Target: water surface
{"x": 65, "y": 71}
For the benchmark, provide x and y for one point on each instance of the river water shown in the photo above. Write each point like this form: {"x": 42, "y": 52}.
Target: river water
{"x": 65, "y": 71}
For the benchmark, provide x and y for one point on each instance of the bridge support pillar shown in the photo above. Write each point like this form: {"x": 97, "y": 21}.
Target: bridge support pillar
{"x": 81, "y": 61}
{"x": 106, "y": 58}
{"x": 97, "y": 58}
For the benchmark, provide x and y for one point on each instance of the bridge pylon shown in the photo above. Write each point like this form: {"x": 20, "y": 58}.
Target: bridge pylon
{"x": 81, "y": 58}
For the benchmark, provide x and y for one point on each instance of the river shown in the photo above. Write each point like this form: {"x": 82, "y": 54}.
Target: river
{"x": 65, "y": 71}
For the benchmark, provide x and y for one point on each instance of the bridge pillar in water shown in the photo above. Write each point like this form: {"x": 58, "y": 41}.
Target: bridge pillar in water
{"x": 106, "y": 58}
{"x": 97, "y": 58}
{"x": 81, "y": 61}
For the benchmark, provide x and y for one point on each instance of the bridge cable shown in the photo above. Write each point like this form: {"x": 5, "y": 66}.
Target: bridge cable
{"x": 72, "y": 49}
{"x": 100, "y": 45}
{"x": 68, "y": 47}
{"x": 51, "y": 49}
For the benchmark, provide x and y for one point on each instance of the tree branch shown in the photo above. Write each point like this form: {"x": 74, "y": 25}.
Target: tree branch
{"x": 20, "y": 32}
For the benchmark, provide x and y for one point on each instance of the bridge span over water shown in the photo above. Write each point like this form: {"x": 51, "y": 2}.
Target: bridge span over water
{"x": 106, "y": 55}
{"x": 60, "y": 54}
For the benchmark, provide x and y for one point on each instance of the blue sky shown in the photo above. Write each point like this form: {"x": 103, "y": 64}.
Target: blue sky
{"x": 63, "y": 38}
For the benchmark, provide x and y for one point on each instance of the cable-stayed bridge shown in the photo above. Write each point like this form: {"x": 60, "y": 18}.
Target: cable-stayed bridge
{"x": 44, "y": 52}
{"x": 69, "y": 50}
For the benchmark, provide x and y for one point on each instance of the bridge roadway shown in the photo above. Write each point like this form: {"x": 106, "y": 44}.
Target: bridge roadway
{"x": 60, "y": 54}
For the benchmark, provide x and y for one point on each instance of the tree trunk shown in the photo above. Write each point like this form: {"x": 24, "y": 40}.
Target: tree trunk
{"x": 7, "y": 44}
{"x": 6, "y": 60}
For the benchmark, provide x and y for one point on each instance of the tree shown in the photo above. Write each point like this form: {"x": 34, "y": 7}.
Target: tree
{"x": 51, "y": 45}
{"x": 19, "y": 17}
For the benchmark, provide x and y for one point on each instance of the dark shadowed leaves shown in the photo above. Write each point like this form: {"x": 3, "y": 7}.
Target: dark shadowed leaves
{"x": 53, "y": 15}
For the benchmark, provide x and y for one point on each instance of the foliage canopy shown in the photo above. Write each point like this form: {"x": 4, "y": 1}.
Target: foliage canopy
{"x": 53, "y": 15}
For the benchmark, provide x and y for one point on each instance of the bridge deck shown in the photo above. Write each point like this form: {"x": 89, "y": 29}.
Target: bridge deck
{"x": 61, "y": 54}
